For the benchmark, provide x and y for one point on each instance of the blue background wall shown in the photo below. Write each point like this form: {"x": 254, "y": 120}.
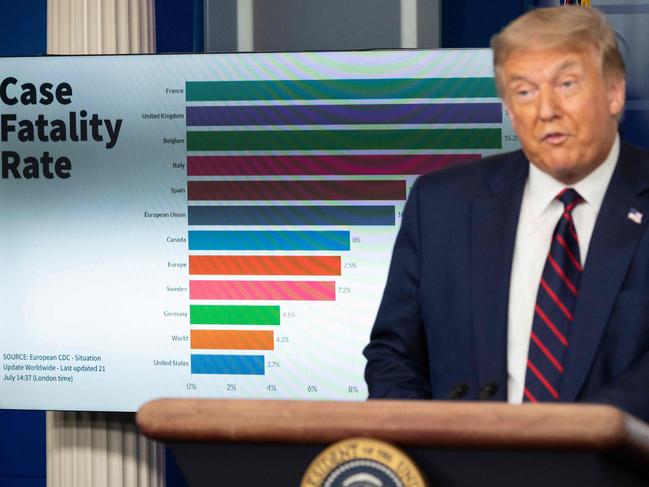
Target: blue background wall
{"x": 471, "y": 23}
{"x": 23, "y": 31}
{"x": 23, "y": 27}
{"x": 179, "y": 26}
{"x": 22, "y": 448}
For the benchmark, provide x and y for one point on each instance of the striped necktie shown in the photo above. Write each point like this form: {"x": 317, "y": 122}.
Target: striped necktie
{"x": 555, "y": 303}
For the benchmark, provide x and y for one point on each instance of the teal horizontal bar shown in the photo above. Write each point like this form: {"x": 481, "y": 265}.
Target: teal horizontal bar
{"x": 269, "y": 240}
{"x": 341, "y": 89}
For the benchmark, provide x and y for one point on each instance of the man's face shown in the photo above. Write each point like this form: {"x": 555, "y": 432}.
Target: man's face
{"x": 563, "y": 109}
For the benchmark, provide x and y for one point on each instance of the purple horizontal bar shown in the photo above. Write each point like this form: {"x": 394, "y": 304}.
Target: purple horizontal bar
{"x": 420, "y": 113}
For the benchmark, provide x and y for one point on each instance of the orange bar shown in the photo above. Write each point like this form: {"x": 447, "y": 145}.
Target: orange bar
{"x": 264, "y": 265}
{"x": 232, "y": 340}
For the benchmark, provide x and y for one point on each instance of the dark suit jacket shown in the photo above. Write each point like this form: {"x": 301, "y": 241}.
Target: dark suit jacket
{"x": 443, "y": 317}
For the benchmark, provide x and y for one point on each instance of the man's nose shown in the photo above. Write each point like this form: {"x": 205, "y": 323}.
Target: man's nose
{"x": 549, "y": 104}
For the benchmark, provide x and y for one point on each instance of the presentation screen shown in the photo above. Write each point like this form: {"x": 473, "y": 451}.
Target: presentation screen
{"x": 214, "y": 225}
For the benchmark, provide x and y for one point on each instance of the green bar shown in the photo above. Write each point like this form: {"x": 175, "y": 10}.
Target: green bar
{"x": 233, "y": 315}
{"x": 341, "y": 89}
{"x": 390, "y": 139}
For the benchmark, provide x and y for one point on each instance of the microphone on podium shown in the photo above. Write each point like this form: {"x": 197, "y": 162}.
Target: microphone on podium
{"x": 488, "y": 391}
{"x": 459, "y": 391}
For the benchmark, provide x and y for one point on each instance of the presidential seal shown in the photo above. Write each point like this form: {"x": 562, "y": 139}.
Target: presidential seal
{"x": 362, "y": 462}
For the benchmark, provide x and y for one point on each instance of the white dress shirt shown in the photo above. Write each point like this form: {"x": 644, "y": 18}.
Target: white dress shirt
{"x": 540, "y": 212}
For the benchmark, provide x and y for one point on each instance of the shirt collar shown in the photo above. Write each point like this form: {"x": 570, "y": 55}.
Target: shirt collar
{"x": 543, "y": 188}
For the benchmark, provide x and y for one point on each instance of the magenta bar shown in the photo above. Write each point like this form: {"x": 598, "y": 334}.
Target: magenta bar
{"x": 264, "y": 290}
{"x": 322, "y": 165}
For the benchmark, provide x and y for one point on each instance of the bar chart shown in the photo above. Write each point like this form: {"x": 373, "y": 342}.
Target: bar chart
{"x": 295, "y": 192}
{"x": 227, "y": 227}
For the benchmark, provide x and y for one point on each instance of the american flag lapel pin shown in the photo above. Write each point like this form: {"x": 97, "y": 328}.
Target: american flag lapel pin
{"x": 634, "y": 215}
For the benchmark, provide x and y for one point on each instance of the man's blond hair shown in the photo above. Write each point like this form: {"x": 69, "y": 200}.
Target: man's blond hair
{"x": 571, "y": 28}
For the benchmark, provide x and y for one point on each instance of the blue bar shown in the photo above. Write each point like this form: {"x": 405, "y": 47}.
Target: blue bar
{"x": 268, "y": 240}
{"x": 228, "y": 364}
{"x": 291, "y": 215}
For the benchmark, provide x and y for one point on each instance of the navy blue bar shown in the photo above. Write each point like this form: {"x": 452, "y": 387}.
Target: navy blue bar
{"x": 291, "y": 215}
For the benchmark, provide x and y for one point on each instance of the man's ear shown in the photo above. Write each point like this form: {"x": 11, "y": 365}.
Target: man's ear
{"x": 510, "y": 114}
{"x": 616, "y": 95}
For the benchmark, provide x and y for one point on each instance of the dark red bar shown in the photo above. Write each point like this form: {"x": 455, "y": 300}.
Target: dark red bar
{"x": 321, "y": 165}
{"x": 296, "y": 190}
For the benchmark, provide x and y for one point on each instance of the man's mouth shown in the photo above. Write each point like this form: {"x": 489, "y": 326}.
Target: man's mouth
{"x": 554, "y": 138}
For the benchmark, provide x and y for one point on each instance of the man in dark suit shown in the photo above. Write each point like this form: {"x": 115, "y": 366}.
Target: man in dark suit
{"x": 525, "y": 276}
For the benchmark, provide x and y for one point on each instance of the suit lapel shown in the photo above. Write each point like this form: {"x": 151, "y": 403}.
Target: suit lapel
{"x": 493, "y": 234}
{"x": 615, "y": 238}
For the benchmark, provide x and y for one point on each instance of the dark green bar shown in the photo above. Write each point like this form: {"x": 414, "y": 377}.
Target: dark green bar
{"x": 341, "y": 89}
{"x": 391, "y": 139}
{"x": 233, "y": 315}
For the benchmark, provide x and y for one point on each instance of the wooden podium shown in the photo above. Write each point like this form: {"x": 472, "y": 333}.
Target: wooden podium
{"x": 455, "y": 444}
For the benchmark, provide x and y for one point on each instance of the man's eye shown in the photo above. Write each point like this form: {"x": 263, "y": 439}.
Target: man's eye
{"x": 567, "y": 84}
{"x": 522, "y": 92}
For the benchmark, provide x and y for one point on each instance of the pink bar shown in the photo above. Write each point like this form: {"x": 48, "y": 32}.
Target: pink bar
{"x": 317, "y": 165}
{"x": 270, "y": 290}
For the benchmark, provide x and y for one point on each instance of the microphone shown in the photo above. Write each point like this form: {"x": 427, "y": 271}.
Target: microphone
{"x": 459, "y": 391}
{"x": 488, "y": 391}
